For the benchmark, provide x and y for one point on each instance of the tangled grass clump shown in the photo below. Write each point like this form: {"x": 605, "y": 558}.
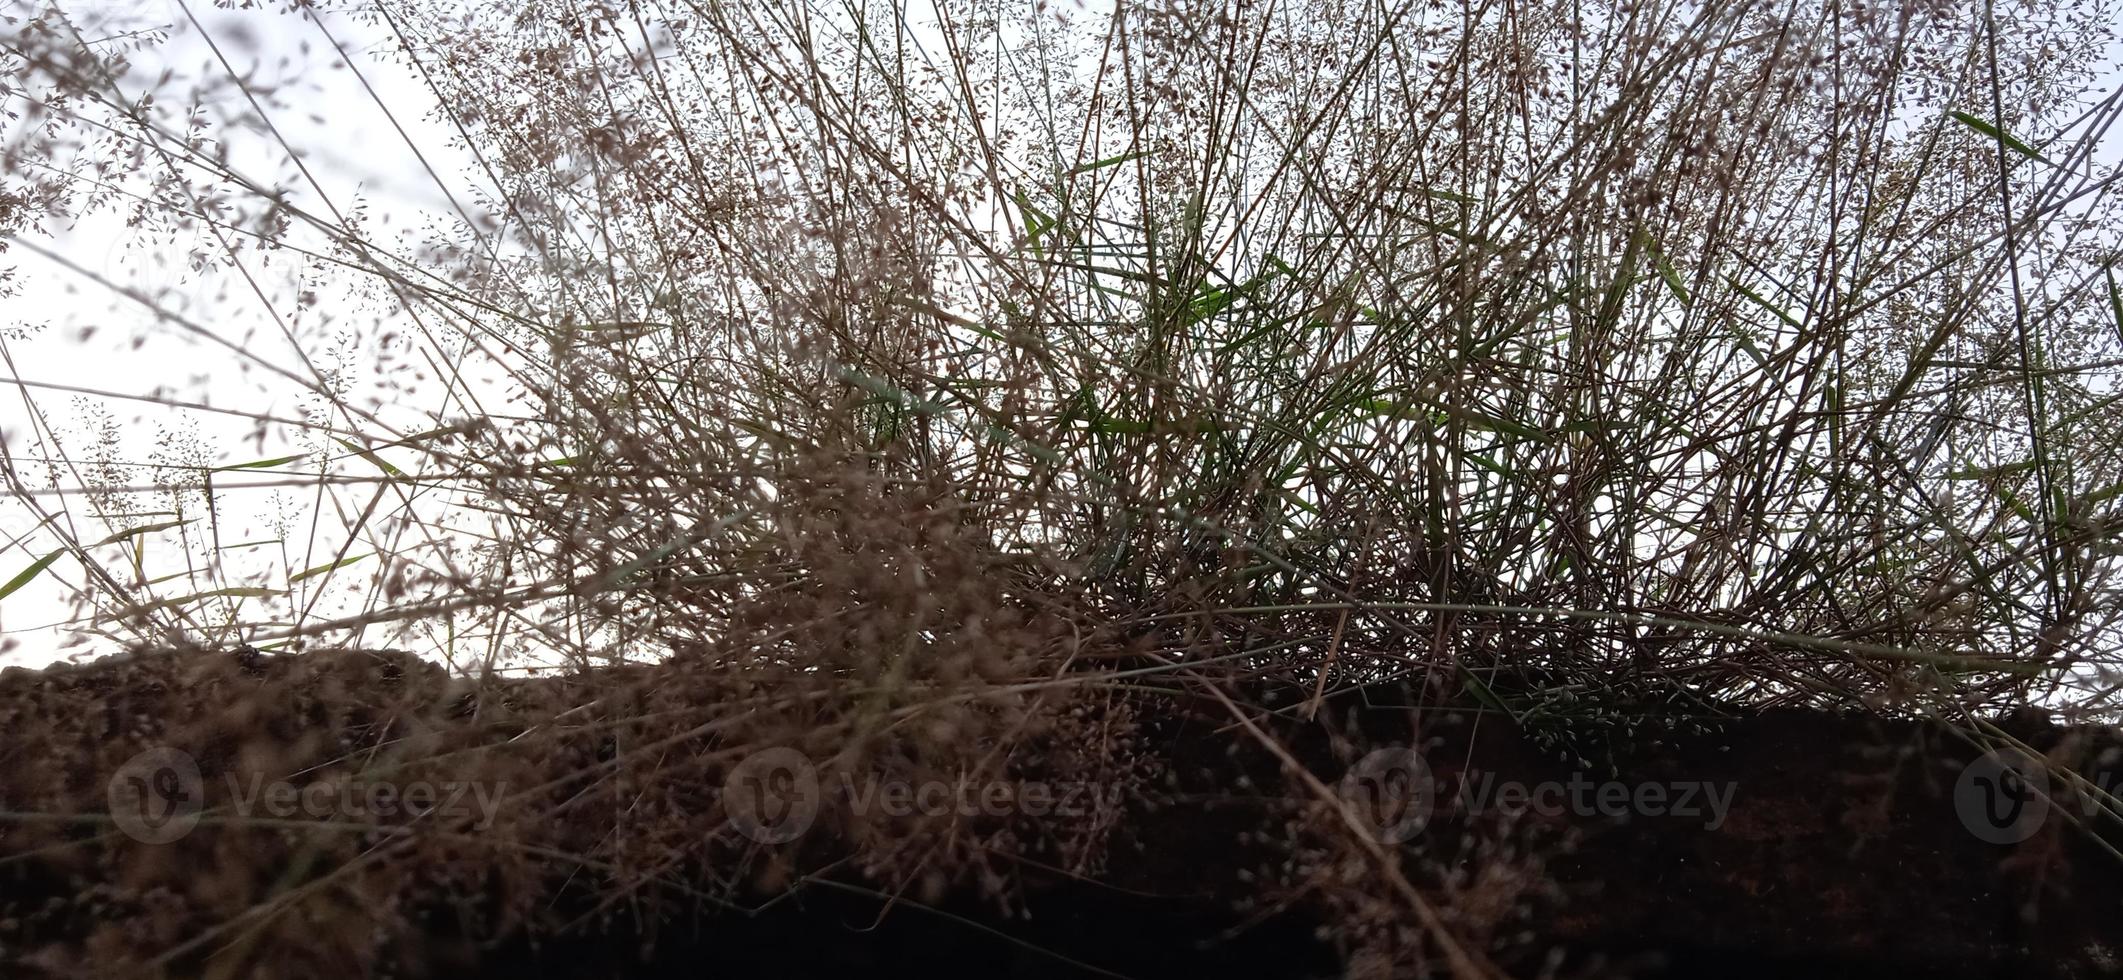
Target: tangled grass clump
{"x": 964, "y": 392}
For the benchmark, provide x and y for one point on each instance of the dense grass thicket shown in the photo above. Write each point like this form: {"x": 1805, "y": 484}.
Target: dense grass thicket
{"x": 957, "y": 376}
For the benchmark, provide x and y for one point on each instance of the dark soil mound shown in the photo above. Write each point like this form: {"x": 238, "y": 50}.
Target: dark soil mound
{"x": 1806, "y": 842}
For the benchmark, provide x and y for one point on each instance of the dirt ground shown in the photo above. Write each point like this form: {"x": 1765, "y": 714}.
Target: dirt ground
{"x": 1839, "y": 851}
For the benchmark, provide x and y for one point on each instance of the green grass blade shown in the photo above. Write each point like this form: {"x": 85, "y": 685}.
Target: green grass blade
{"x": 322, "y": 569}
{"x": 375, "y": 460}
{"x": 23, "y": 577}
{"x": 264, "y": 464}
{"x": 2004, "y": 138}
{"x": 143, "y": 529}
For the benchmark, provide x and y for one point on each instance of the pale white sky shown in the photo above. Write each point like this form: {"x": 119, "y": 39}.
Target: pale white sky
{"x": 352, "y": 149}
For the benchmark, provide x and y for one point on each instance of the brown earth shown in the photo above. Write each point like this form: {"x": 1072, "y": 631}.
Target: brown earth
{"x": 1842, "y": 853}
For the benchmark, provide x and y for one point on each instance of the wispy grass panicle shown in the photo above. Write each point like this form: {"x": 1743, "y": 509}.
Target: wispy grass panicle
{"x": 1745, "y": 354}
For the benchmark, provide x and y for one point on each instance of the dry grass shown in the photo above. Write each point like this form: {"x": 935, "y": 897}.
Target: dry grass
{"x": 953, "y": 379}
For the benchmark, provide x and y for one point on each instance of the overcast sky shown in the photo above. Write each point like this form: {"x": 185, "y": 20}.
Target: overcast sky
{"x": 84, "y": 335}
